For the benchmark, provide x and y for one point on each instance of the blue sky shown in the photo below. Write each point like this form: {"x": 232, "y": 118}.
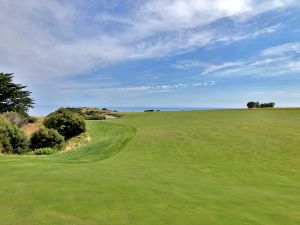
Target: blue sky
{"x": 163, "y": 53}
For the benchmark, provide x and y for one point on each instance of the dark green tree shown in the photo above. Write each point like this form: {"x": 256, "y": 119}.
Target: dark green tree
{"x": 13, "y": 97}
{"x": 257, "y": 105}
{"x": 251, "y": 105}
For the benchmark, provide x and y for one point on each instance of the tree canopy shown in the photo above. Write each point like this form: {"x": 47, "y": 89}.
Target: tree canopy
{"x": 252, "y": 105}
{"x": 13, "y": 97}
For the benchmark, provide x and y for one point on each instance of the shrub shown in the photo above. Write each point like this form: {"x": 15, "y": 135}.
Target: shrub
{"x": 16, "y": 118}
{"x": 43, "y": 151}
{"x": 45, "y": 137}
{"x": 86, "y": 113}
{"x": 67, "y": 109}
{"x": 12, "y": 139}
{"x": 66, "y": 123}
{"x": 32, "y": 119}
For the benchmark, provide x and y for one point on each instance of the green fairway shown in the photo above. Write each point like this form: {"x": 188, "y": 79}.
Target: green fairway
{"x": 231, "y": 167}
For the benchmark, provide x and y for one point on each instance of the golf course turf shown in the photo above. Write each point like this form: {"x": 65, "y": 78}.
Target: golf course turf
{"x": 222, "y": 167}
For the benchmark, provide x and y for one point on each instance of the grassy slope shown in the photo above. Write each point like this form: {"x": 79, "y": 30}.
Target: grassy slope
{"x": 208, "y": 167}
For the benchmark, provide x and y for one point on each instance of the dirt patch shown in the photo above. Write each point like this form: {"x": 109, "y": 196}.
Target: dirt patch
{"x": 110, "y": 117}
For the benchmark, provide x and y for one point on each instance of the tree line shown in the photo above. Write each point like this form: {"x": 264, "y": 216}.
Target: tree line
{"x": 256, "y": 105}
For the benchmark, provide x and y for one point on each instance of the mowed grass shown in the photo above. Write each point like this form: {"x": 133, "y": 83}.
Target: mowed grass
{"x": 233, "y": 167}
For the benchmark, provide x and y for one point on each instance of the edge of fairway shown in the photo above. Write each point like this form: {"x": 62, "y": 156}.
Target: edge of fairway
{"x": 107, "y": 139}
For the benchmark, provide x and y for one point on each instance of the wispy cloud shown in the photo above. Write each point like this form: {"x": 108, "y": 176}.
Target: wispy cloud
{"x": 188, "y": 64}
{"x": 288, "y": 94}
{"x": 278, "y": 60}
{"x": 44, "y": 39}
{"x": 142, "y": 89}
{"x": 282, "y": 50}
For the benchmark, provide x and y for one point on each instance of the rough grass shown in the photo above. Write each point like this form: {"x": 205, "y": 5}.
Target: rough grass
{"x": 77, "y": 141}
{"x": 230, "y": 167}
{"x": 30, "y": 128}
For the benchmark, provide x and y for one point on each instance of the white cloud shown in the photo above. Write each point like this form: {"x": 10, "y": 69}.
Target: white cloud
{"x": 170, "y": 15}
{"x": 44, "y": 39}
{"x": 275, "y": 61}
{"x": 187, "y": 64}
{"x": 113, "y": 88}
{"x": 216, "y": 67}
{"x": 282, "y": 49}
{"x": 248, "y": 35}
{"x": 156, "y": 88}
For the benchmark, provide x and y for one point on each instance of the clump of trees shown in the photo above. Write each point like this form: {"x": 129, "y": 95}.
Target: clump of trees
{"x": 267, "y": 105}
{"x": 14, "y": 105}
{"x": 252, "y": 105}
{"x": 59, "y": 126}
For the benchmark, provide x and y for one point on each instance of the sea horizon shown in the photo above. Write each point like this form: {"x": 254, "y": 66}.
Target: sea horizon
{"x": 43, "y": 110}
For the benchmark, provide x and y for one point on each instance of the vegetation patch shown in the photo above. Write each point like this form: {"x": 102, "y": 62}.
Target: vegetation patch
{"x": 12, "y": 139}
{"x": 45, "y": 137}
{"x": 77, "y": 141}
{"x": 66, "y": 123}
{"x": 91, "y": 113}
{"x": 14, "y": 97}
{"x": 43, "y": 151}
{"x": 30, "y": 128}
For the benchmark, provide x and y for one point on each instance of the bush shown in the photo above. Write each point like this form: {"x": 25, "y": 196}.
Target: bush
{"x": 12, "y": 139}
{"x": 86, "y": 113}
{"x": 32, "y": 119}
{"x": 45, "y": 137}
{"x": 16, "y": 118}
{"x": 43, "y": 151}
{"x": 66, "y": 123}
